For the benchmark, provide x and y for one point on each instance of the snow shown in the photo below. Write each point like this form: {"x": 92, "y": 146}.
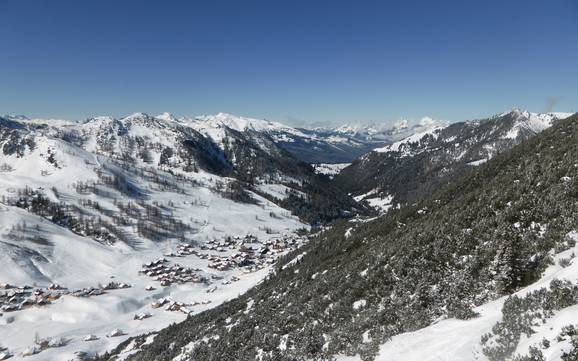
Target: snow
{"x": 400, "y": 146}
{"x": 478, "y": 162}
{"x": 382, "y": 203}
{"x": 365, "y": 195}
{"x": 283, "y": 342}
{"x": 383, "y": 131}
{"x": 294, "y": 261}
{"x": 359, "y": 304}
{"x": 278, "y": 191}
{"x": 242, "y": 123}
{"x": 365, "y": 337}
{"x": 348, "y": 232}
{"x": 214, "y": 126}
{"x": 38, "y": 121}
{"x": 459, "y": 340}
{"x": 330, "y": 169}
{"x": 167, "y": 117}
{"x": 78, "y": 262}
{"x": 535, "y": 122}
{"x": 75, "y": 318}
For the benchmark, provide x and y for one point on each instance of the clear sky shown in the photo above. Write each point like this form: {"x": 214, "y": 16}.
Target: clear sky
{"x": 293, "y": 60}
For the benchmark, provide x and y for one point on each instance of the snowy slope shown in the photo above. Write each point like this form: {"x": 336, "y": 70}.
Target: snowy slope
{"x": 523, "y": 121}
{"x": 533, "y": 122}
{"x": 330, "y": 169}
{"x": 400, "y": 146}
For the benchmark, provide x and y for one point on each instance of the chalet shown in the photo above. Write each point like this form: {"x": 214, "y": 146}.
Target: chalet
{"x": 116, "y": 333}
{"x": 142, "y": 316}
{"x": 90, "y": 338}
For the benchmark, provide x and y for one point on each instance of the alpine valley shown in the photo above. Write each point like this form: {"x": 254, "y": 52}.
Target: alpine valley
{"x": 220, "y": 237}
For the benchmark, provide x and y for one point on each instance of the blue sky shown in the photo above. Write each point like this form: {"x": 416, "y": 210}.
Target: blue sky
{"x": 297, "y": 61}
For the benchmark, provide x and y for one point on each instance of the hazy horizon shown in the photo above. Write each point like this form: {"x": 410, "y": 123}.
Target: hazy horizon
{"x": 298, "y": 123}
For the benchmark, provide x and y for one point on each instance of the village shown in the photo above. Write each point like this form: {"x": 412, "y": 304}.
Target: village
{"x": 226, "y": 260}
{"x": 246, "y": 253}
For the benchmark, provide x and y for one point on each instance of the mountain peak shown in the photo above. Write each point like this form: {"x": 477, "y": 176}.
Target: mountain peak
{"x": 138, "y": 115}
{"x": 169, "y": 117}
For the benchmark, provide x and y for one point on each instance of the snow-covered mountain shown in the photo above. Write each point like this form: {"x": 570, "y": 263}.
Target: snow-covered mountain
{"x": 311, "y": 146}
{"x": 339, "y": 144}
{"x": 224, "y": 145}
{"x": 85, "y": 204}
{"x": 418, "y": 164}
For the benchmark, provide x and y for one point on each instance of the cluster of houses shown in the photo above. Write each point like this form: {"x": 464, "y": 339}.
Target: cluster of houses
{"x": 167, "y": 274}
{"x": 246, "y": 252}
{"x": 170, "y": 305}
{"x": 251, "y": 255}
{"x": 15, "y": 298}
{"x": 100, "y": 290}
{"x": 228, "y": 253}
{"x": 228, "y": 243}
{"x": 183, "y": 249}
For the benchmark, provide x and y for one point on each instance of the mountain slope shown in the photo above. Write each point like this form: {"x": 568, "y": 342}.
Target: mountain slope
{"x": 307, "y": 145}
{"x": 224, "y": 146}
{"x": 251, "y": 146}
{"x": 419, "y": 164}
{"x": 359, "y": 284}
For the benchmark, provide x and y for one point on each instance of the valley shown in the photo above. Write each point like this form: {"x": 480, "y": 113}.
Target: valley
{"x": 118, "y": 233}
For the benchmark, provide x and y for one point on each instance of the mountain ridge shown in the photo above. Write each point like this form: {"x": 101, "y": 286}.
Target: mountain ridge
{"x": 337, "y": 144}
{"x": 417, "y": 165}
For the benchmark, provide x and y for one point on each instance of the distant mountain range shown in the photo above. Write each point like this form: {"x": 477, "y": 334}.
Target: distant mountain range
{"x": 340, "y": 144}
